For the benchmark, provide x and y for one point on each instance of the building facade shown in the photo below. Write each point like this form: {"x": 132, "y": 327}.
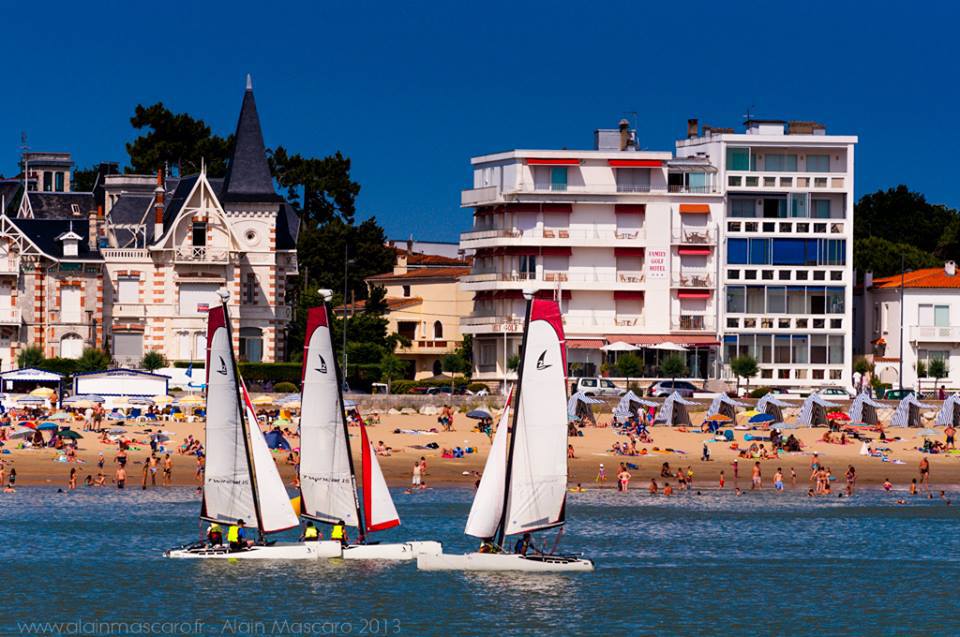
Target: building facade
{"x": 740, "y": 239}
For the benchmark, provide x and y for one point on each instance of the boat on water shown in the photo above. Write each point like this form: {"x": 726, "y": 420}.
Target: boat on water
{"x": 524, "y": 483}
{"x": 241, "y": 480}
{"x": 329, "y": 491}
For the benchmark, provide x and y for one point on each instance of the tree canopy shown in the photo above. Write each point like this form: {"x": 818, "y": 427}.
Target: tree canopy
{"x": 175, "y": 140}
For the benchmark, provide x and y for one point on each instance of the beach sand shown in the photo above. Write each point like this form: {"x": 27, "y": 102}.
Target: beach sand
{"x": 38, "y": 466}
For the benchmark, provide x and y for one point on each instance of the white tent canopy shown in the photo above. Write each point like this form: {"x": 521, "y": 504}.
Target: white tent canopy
{"x": 908, "y": 412}
{"x": 770, "y": 404}
{"x": 619, "y": 346}
{"x": 814, "y": 411}
{"x": 668, "y": 346}
{"x": 674, "y": 410}
{"x": 864, "y": 409}
{"x": 625, "y": 409}
{"x": 723, "y": 404}
{"x": 950, "y": 411}
{"x": 573, "y": 405}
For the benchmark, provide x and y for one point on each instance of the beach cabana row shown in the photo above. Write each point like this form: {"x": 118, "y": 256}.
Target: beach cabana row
{"x": 674, "y": 410}
{"x": 908, "y": 412}
{"x": 813, "y": 413}
{"x": 864, "y": 409}
{"x": 949, "y": 413}
{"x": 629, "y": 406}
{"x": 579, "y": 406}
{"x": 723, "y": 404}
{"x": 770, "y": 404}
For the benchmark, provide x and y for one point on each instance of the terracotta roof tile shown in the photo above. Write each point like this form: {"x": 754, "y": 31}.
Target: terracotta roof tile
{"x": 422, "y": 273}
{"x": 394, "y": 303}
{"x": 925, "y": 278}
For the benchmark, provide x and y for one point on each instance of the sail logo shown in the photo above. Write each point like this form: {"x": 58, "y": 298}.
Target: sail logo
{"x": 323, "y": 365}
{"x": 540, "y": 363}
{"x": 223, "y": 366}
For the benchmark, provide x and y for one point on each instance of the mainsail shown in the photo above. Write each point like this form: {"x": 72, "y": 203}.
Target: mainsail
{"x": 537, "y": 466}
{"x": 327, "y": 485}
{"x": 378, "y": 508}
{"x": 487, "y": 508}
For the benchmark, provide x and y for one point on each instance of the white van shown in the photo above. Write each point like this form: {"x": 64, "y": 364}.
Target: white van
{"x": 598, "y": 387}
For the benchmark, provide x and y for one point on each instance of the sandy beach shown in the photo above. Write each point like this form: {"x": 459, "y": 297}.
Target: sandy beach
{"x": 39, "y": 466}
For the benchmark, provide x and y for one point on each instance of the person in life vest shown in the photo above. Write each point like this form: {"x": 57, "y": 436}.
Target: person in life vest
{"x": 215, "y": 534}
{"x": 236, "y": 537}
{"x": 339, "y": 532}
{"x": 310, "y": 533}
{"x": 525, "y": 544}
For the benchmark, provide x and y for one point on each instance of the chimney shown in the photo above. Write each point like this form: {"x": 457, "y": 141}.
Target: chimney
{"x": 950, "y": 268}
{"x": 92, "y": 229}
{"x": 867, "y": 279}
{"x": 624, "y": 127}
{"x": 158, "y": 193}
{"x": 693, "y": 128}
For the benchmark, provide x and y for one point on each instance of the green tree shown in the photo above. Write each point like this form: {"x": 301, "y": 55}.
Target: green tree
{"x": 938, "y": 369}
{"x": 629, "y": 365}
{"x": 900, "y": 215}
{"x": 744, "y": 367}
{"x": 391, "y": 368}
{"x": 82, "y": 179}
{"x": 30, "y": 357}
{"x": 175, "y": 140}
{"x": 320, "y": 189}
{"x": 673, "y": 366}
{"x": 882, "y": 257}
{"x": 93, "y": 360}
{"x": 153, "y": 360}
{"x": 513, "y": 363}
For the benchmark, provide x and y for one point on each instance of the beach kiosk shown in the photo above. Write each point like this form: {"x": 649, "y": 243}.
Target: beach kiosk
{"x": 121, "y": 383}
{"x": 23, "y": 381}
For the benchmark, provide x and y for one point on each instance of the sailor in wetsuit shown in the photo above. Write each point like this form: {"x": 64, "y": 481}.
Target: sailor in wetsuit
{"x": 525, "y": 544}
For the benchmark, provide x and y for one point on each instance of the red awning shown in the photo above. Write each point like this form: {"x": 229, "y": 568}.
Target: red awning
{"x": 536, "y": 207}
{"x": 584, "y": 343}
{"x": 635, "y": 163}
{"x": 690, "y": 294}
{"x": 695, "y": 208}
{"x": 690, "y": 340}
{"x": 534, "y": 161}
{"x": 550, "y": 295}
{"x": 517, "y": 251}
{"x": 630, "y": 208}
{"x": 693, "y": 251}
{"x": 628, "y": 252}
{"x": 627, "y": 295}
{"x": 556, "y": 251}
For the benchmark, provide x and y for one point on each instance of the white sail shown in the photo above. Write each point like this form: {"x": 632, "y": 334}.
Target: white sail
{"x": 328, "y": 490}
{"x": 378, "y": 508}
{"x": 276, "y": 512}
{"x": 487, "y": 508}
{"x": 227, "y": 492}
{"x": 538, "y": 474}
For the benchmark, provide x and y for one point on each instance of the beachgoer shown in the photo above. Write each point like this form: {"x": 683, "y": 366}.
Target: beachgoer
{"x": 925, "y": 473}
{"x": 237, "y": 537}
{"x": 601, "y": 474}
{"x": 101, "y": 479}
{"x": 851, "y": 477}
{"x": 705, "y": 454}
{"x": 310, "y": 533}
{"x": 215, "y": 534}
{"x": 738, "y": 492}
{"x": 722, "y": 480}
{"x": 793, "y": 477}
{"x": 153, "y": 462}
{"x": 654, "y": 488}
{"x": 167, "y": 470}
{"x": 950, "y": 432}
{"x": 736, "y": 469}
{"x": 624, "y": 478}
{"x": 913, "y": 487}
{"x": 72, "y": 483}
{"x": 887, "y": 485}
{"x": 667, "y": 490}
{"x": 417, "y": 479}
{"x": 778, "y": 479}
{"x": 121, "y": 477}
{"x": 756, "y": 479}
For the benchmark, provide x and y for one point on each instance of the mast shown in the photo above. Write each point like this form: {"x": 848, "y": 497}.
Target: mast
{"x": 244, "y": 423}
{"x": 501, "y": 527}
{"x": 346, "y": 434}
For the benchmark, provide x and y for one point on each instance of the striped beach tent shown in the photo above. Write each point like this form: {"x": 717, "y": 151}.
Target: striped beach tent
{"x": 674, "y": 410}
{"x": 950, "y": 411}
{"x": 629, "y": 406}
{"x": 864, "y": 409}
{"x": 723, "y": 404}
{"x": 579, "y": 406}
{"x": 908, "y": 412}
{"x": 770, "y": 404}
{"x": 813, "y": 413}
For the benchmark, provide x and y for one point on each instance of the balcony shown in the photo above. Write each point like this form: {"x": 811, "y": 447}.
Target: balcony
{"x": 547, "y": 236}
{"x": 693, "y": 279}
{"x": 201, "y": 254}
{"x": 768, "y": 226}
{"x": 129, "y": 310}
{"x": 692, "y": 323}
{"x": 492, "y": 195}
{"x": 754, "y": 180}
{"x": 694, "y": 235}
{"x": 9, "y": 266}
{"x": 935, "y": 333}
{"x": 785, "y": 322}
{"x": 125, "y": 254}
{"x": 10, "y": 316}
{"x": 602, "y": 323}
{"x": 491, "y": 324}
{"x": 428, "y": 346}
{"x": 695, "y": 190}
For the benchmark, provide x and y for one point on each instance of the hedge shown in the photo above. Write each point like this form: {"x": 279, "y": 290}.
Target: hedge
{"x": 285, "y": 388}
{"x": 274, "y": 372}
{"x": 404, "y": 386}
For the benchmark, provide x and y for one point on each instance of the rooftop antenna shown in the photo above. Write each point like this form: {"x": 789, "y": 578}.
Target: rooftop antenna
{"x": 749, "y": 114}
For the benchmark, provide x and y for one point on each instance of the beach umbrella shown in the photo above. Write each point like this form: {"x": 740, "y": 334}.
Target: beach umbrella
{"x": 281, "y": 422}
{"x": 927, "y": 432}
{"x": 719, "y": 418}
{"x": 261, "y": 401}
{"x": 82, "y": 404}
{"x": 191, "y": 400}
{"x": 163, "y": 399}
{"x": 838, "y": 415}
{"x": 23, "y": 432}
{"x": 27, "y": 423}
{"x": 760, "y": 418}
{"x": 48, "y": 426}
{"x": 479, "y": 414}
{"x": 42, "y": 392}
{"x": 289, "y": 398}
{"x": 60, "y": 415}
{"x": 76, "y": 398}
{"x": 619, "y": 346}
{"x": 71, "y": 434}
{"x": 291, "y": 404}
{"x": 119, "y": 400}
{"x": 667, "y": 346}
{"x": 750, "y": 413}
{"x": 140, "y": 400}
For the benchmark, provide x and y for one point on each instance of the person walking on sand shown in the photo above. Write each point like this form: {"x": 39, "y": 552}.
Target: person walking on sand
{"x": 722, "y": 480}
{"x": 793, "y": 477}
{"x": 417, "y": 475}
{"x": 601, "y": 475}
{"x": 756, "y": 479}
{"x": 950, "y": 432}
{"x": 154, "y": 463}
{"x": 925, "y": 473}
{"x": 167, "y": 470}
{"x": 146, "y": 473}
{"x": 624, "y": 478}
{"x": 736, "y": 469}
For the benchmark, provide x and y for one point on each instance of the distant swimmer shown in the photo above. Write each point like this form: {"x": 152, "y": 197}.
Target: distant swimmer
{"x": 577, "y": 489}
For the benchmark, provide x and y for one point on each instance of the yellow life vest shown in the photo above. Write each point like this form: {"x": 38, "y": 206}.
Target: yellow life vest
{"x": 337, "y": 532}
{"x": 233, "y": 533}
{"x": 310, "y": 533}
{"x": 214, "y": 528}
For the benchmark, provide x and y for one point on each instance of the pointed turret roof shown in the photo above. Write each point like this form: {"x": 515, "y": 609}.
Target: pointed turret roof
{"x": 248, "y": 174}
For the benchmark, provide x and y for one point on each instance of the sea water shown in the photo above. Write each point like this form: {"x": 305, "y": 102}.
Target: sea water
{"x": 90, "y": 562}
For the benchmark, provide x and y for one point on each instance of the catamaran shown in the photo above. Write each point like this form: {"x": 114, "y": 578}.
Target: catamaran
{"x": 241, "y": 481}
{"x": 328, "y": 480}
{"x": 524, "y": 483}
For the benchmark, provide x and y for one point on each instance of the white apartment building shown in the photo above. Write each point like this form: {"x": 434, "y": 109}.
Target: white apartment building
{"x": 786, "y": 240}
{"x": 931, "y": 325}
{"x": 626, "y": 239}
{"x": 741, "y": 239}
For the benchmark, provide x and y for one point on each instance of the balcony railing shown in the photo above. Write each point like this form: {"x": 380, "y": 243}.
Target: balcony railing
{"x": 784, "y": 226}
{"x": 692, "y": 323}
{"x": 693, "y": 279}
{"x": 792, "y": 180}
{"x": 573, "y": 234}
{"x": 9, "y": 316}
{"x": 697, "y": 190}
{"x": 125, "y": 254}
{"x": 201, "y": 254}
{"x": 694, "y": 235}
{"x": 781, "y": 322}
{"x": 426, "y": 345}
{"x": 10, "y": 266}
{"x": 935, "y": 333}
{"x": 129, "y": 310}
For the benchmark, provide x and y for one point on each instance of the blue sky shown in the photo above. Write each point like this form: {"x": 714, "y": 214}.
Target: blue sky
{"x": 411, "y": 90}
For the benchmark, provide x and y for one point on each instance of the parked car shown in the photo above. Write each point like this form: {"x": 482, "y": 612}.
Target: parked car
{"x": 445, "y": 389}
{"x": 837, "y": 392}
{"x": 900, "y": 394}
{"x": 595, "y": 386}
{"x": 664, "y": 388}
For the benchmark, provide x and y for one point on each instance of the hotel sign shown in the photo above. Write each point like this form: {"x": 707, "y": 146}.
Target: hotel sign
{"x": 656, "y": 264}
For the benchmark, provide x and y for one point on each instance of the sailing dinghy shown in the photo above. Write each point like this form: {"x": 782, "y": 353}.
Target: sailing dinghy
{"x": 524, "y": 483}
{"x": 241, "y": 481}
{"x": 328, "y": 480}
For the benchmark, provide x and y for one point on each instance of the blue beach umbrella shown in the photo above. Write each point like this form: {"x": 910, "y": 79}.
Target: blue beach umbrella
{"x": 48, "y": 426}
{"x": 760, "y": 418}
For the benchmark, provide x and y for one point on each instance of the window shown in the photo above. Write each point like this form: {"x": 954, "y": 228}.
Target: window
{"x": 738, "y": 159}
{"x": 780, "y": 163}
{"x": 737, "y": 251}
{"x": 437, "y": 330}
{"x": 736, "y": 299}
{"x": 755, "y": 300}
{"x": 199, "y": 234}
{"x": 197, "y": 298}
{"x": 835, "y": 350}
{"x": 790, "y": 252}
{"x": 251, "y": 344}
{"x": 781, "y": 350}
{"x": 759, "y": 251}
{"x": 798, "y": 205}
{"x": 128, "y": 345}
{"x": 774, "y": 208}
{"x": 183, "y": 346}
{"x": 71, "y": 346}
{"x": 800, "y": 344}
{"x": 818, "y": 163}
{"x": 58, "y": 182}
{"x": 128, "y": 289}
{"x": 818, "y": 349}
{"x": 47, "y": 181}
{"x": 407, "y": 329}
{"x": 934, "y": 315}
{"x": 250, "y": 289}
{"x": 776, "y": 300}
{"x": 820, "y": 208}
{"x": 558, "y": 178}
{"x": 633, "y": 179}
{"x": 835, "y": 301}
{"x": 200, "y": 346}
{"x": 926, "y": 356}
{"x": 528, "y": 265}
{"x": 70, "y": 304}
{"x": 742, "y": 208}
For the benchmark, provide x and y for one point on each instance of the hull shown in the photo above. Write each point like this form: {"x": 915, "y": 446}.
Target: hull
{"x": 404, "y": 551}
{"x": 503, "y": 562}
{"x": 276, "y": 551}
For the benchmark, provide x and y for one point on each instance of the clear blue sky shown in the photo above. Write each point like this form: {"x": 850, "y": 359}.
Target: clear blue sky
{"x": 411, "y": 90}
